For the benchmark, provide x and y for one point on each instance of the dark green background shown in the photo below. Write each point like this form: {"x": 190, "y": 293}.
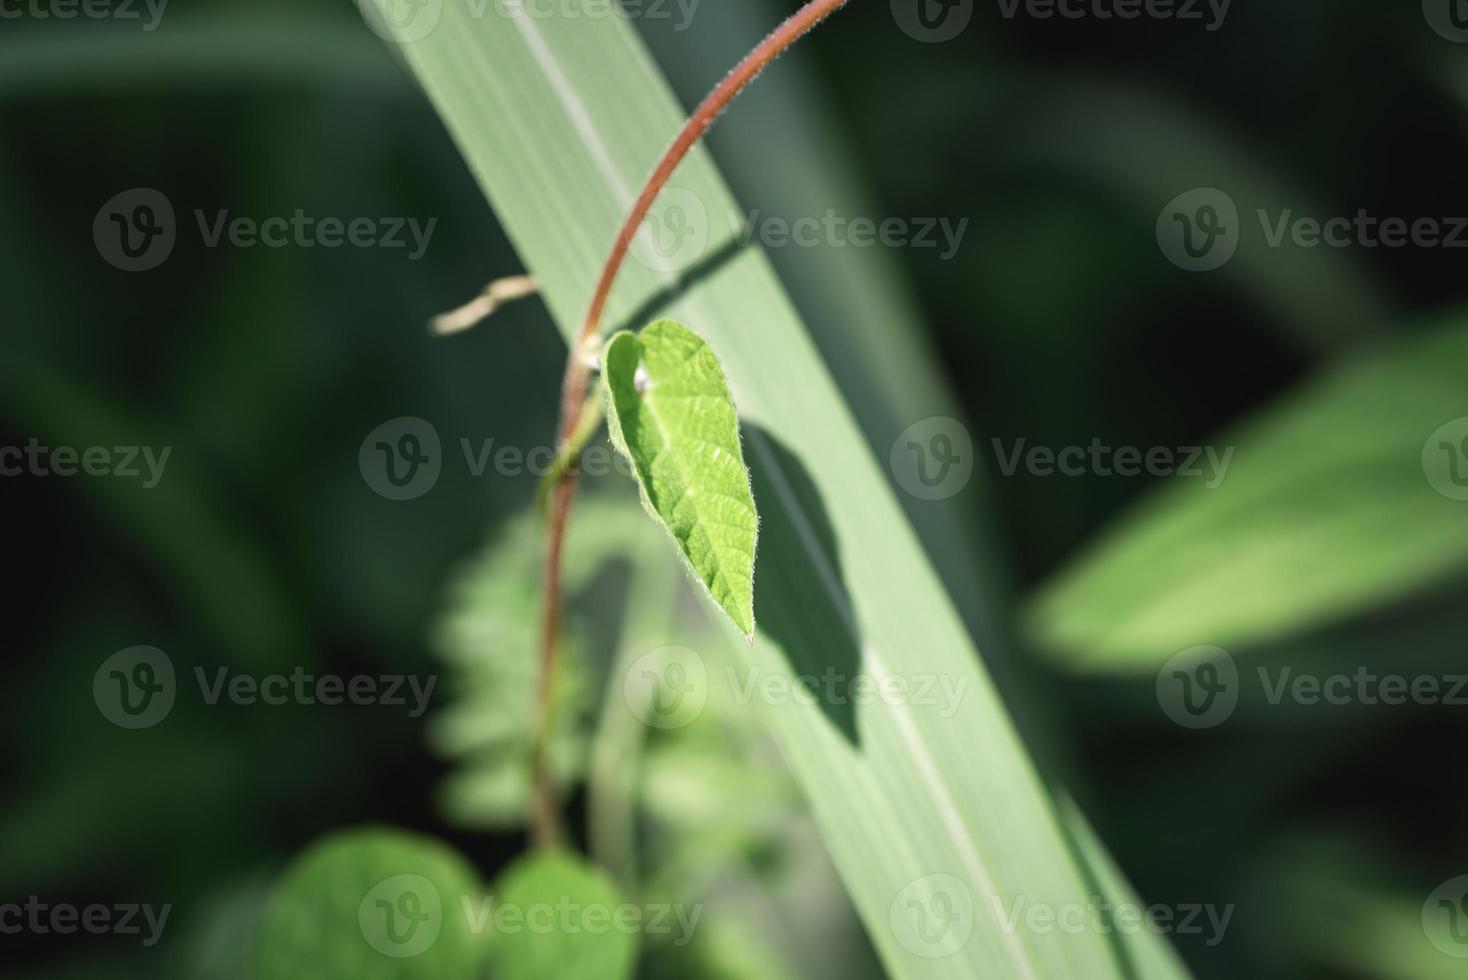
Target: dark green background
{"x": 1058, "y": 321}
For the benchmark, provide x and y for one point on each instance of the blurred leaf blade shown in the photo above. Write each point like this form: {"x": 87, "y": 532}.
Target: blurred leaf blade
{"x": 1336, "y": 499}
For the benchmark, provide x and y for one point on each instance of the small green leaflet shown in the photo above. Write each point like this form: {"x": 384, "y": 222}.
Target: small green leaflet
{"x": 670, "y": 414}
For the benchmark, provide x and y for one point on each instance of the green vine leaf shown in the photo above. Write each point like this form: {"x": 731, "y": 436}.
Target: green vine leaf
{"x": 670, "y": 414}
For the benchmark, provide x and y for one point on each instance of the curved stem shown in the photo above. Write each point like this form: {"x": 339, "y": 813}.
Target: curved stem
{"x": 578, "y": 373}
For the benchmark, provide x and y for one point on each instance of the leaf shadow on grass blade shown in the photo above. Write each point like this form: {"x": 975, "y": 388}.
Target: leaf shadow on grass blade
{"x": 792, "y": 603}
{"x": 659, "y": 302}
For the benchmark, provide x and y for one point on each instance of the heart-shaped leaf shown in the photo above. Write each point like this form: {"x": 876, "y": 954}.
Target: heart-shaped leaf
{"x": 669, "y": 412}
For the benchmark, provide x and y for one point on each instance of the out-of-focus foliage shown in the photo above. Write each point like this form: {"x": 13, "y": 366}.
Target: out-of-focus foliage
{"x": 374, "y": 904}
{"x": 1323, "y": 505}
{"x": 714, "y": 826}
{"x": 488, "y": 637}
{"x": 553, "y": 896}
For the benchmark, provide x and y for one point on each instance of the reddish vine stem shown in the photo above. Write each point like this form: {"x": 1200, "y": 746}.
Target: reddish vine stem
{"x": 578, "y": 373}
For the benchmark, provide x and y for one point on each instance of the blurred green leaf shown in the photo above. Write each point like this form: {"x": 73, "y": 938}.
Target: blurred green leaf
{"x": 372, "y": 904}
{"x": 679, "y": 428}
{"x": 1339, "y": 903}
{"x": 559, "y": 917}
{"x": 1340, "y": 498}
